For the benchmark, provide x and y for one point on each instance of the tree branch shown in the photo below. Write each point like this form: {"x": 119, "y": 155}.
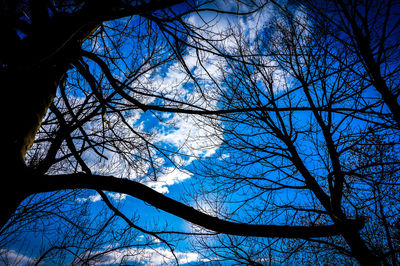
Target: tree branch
{"x": 47, "y": 183}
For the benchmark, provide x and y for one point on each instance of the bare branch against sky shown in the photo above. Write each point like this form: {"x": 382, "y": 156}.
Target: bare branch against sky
{"x": 185, "y": 132}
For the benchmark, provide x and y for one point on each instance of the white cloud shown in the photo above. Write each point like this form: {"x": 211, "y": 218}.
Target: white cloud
{"x": 147, "y": 256}
{"x": 190, "y": 135}
{"x": 92, "y": 198}
{"x": 117, "y": 196}
{"x": 195, "y": 136}
{"x": 11, "y": 257}
{"x": 95, "y": 198}
{"x": 223, "y": 157}
{"x": 172, "y": 176}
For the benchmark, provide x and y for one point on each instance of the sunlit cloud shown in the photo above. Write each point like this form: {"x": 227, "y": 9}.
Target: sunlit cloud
{"x": 173, "y": 176}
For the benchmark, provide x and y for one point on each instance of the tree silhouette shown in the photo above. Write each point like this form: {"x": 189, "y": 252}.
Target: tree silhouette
{"x": 324, "y": 152}
{"x": 79, "y": 73}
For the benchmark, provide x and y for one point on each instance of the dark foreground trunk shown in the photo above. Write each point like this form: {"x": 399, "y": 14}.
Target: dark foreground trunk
{"x": 28, "y": 89}
{"x": 360, "y": 250}
{"x": 11, "y": 196}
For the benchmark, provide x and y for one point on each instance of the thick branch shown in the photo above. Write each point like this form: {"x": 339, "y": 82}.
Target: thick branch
{"x": 73, "y": 181}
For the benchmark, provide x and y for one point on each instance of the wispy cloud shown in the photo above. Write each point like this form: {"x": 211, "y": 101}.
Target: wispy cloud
{"x": 94, "y": 198}
{"x": 146, "y": 256}
{"x": 173, "y": 176}
{"x": 11, "y": 257}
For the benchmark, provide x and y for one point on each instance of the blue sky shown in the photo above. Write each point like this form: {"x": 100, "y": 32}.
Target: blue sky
{"x": 189, "y": 138}
{"x": 179, "y": 143}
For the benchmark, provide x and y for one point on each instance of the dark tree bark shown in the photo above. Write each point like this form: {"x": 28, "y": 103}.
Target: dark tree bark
{"x": 31, "y": 69}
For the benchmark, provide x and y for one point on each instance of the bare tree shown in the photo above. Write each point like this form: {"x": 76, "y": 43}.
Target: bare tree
{"x": 290, "y": 104}
{"x": 322, "y": 150}
{"x": 79, "y": 72}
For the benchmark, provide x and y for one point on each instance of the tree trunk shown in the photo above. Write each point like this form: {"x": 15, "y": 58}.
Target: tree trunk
{"x": 11, "y": 195}
{"x": 29, "y": 82}
{"x": 360, "y": 250}
{"x": 30, "y": 70}
{"x": 30, "y": 92}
